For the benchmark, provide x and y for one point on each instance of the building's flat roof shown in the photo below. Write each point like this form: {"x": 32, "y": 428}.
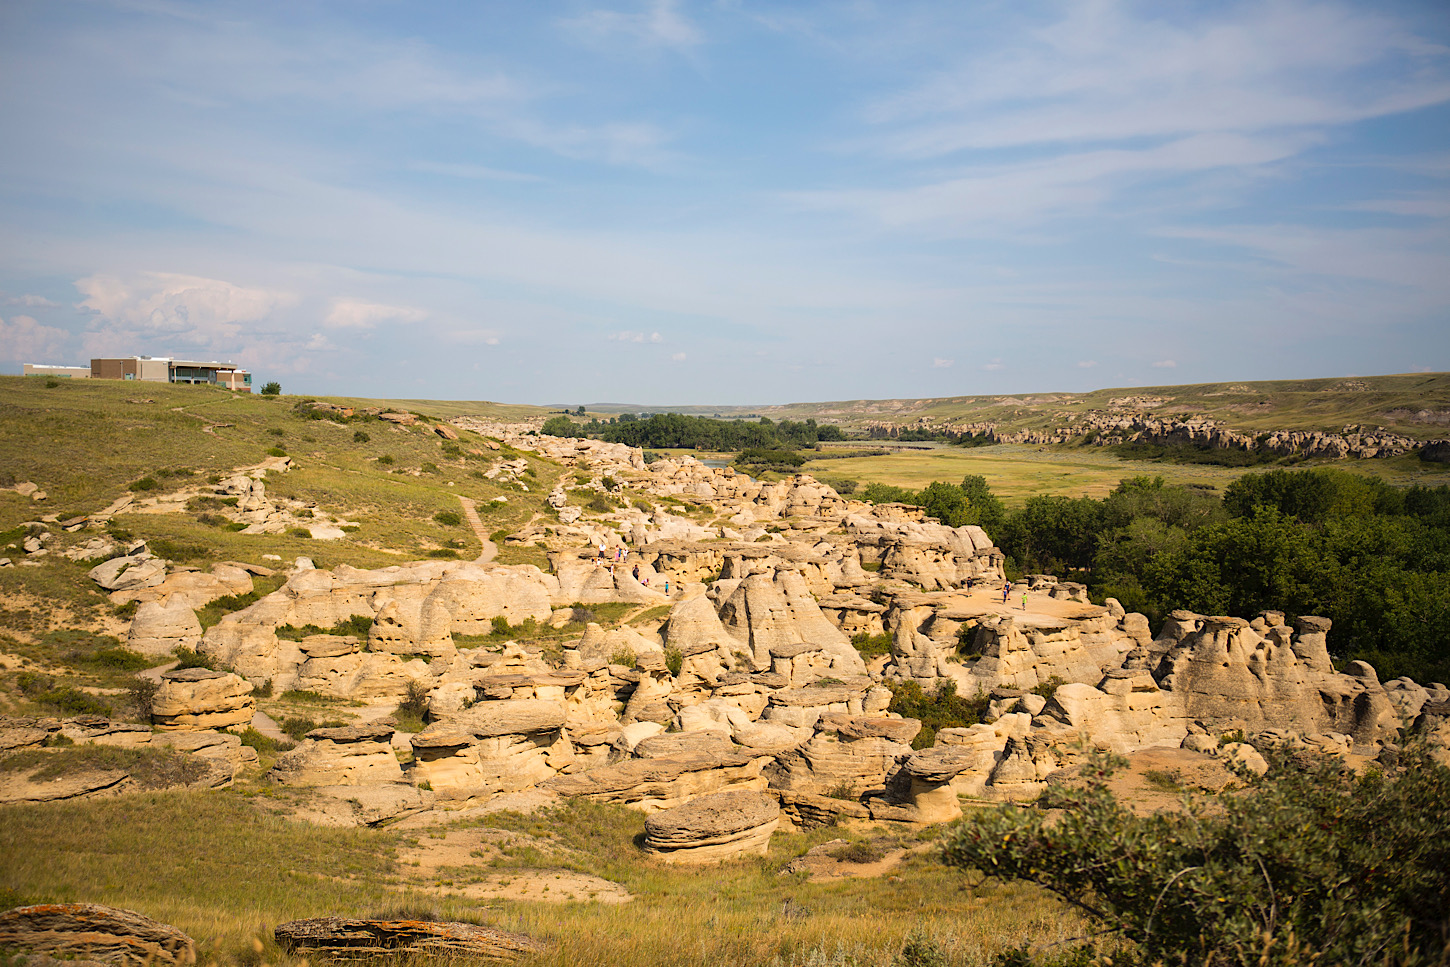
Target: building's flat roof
{"x": 175, "y": 361}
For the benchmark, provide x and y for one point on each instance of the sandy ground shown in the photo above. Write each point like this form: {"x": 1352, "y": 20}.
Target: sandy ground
{"x": 454, "y": 864}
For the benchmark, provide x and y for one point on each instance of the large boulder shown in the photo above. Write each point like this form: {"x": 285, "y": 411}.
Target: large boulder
{"x": 127, "y": 573}
{"x": 159, "y": 629}
{"x": 342, "y": 938}
{"x": 346, "y": 756}
{"x": 90, "y": 931}
{"x": 200, "y": 698}
{"x": 493, "y": 747}
{"x": 651, "y": 785}
{"x": 713, "y": 828}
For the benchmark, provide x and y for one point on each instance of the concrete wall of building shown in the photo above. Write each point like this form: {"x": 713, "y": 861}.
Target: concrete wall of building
{"x": 64, "y": 372}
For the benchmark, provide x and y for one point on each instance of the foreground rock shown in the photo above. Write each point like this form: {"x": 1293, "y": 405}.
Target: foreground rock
{"x": 94, "y": 932}
{"x": 713, "y": 828}
{"x": 342, "y": 937}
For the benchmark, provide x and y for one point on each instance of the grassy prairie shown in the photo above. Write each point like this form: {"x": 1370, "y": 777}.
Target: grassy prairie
{"x": 225, "y": 867}
{"x": 1016, "y": 472}
{"x": 87, "y": 442}
{"x": 1415, "y": 404}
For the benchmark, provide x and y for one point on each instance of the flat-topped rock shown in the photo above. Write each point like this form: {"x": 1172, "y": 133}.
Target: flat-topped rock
{"x": 654, "y": 784}
{"x": 354, "y": 733}
{"x": 713, "y": 828}
{"x": 199, "y": 698}
{"x": 90, "y": 931}
{"x": 340, "y": 937}
{"x": 860, "y": 727}
{"x": 192, "y": 675}
{"x": 513, "y": 717}
{"x": 674, "y": 743}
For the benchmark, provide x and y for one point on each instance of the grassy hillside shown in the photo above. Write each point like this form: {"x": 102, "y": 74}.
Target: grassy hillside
{"x": 1414, "y": 404}
{"x": 86, "y": 443}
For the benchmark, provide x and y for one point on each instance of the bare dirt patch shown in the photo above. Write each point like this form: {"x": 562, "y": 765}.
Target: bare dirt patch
{"x": 457, "y": 863}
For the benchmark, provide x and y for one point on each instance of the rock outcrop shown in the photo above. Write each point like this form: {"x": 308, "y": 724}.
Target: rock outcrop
{"x": 90, "y": 931}
{"x": 199, "y": 698}
{"x": 713, "y": 828}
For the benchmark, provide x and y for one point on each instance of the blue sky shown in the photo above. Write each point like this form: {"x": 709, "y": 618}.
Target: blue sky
{"x": 662, "y": 201}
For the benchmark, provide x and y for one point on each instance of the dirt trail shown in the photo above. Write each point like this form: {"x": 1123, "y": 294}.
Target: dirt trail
{"x": 470, "y": 513}
{"x": 264, "y": 724}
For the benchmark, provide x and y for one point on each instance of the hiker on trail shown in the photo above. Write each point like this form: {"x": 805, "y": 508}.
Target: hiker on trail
{"x": 1024, "y": 600}
{"x": 1006, "y": 591}
{"x": 667, "y": 586}
{"x": 636, "y": 572}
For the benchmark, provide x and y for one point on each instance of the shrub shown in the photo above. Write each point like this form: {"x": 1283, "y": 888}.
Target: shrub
{"x": 858, "y": 853}
{"x": 263, "y": 690}
{"x": 609, "y": 483}
{"x": 145, "y": 483}
{"x": 872, "y": 646}
{"x": 943, "y": 709}
{"x": 413, "y": 709}
{"x": 276, "y": 452}
{"x": 272, "y": 389}
{"x": 386, "y": 460}
{"x": 52, "y": 383}
{"x": 299, "y": 532}
{"x": 277, "y": 431}
{"x": 674, "y": 660}
{"x": 500, "y": 625}
{"x": 429, "y": 467}
{"x": 43, "y": 690}
{"x": 119, "y": 659}
{"x": 360, "y": 436}
{"x": 264, "y": 745}
{"x": 1048, "y": 688}
{"x": 297, "y": 726}
{"x": 1310, "y": 864}
{"x": 142, "y": 693}
{"x": 600, "y": 504}
{"x": 623, "y": 657}
{"x": 443, "y": 552}
{"x": 448, "y": 518}
{"x": 187, "y": 658}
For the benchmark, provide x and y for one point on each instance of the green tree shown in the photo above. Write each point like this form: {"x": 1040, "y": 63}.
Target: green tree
{"x": 1313, "y": 864}
{"x": 272, "y": 389}
{"x": 560, "y": 426}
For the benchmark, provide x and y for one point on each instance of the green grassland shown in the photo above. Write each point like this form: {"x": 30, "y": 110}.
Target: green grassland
{"x": 227, "y": 866}
{"x": 1016, "y": 472}
{"x": 87, "y": 442}
{"x": 1414, "y": 404}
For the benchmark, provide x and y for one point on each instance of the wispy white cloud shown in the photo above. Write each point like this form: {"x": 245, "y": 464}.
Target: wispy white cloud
{"x": 994, "y": 366}
{"x": 24, "y": 340}
{"x": 358, "y": 314}
{"x": 471, "y": 171}
{"x": 658, "y": 24}
{"x": 1099, "y": 73}
{"x": 677, "y": 357}
{"x": 32, "y": 301}
{"x": 939, "y": 363}
{"x": 1086, "y": 363}
{"x": 629, "y": 335}
{"x": 1166, "y": 364}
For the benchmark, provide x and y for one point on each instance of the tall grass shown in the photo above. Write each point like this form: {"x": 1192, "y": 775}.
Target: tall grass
{"x": 226, "y": 868}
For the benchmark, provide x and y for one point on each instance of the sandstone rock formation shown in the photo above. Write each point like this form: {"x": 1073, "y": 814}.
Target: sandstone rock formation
{"x": 713, "y": 828}
{"x": 340, "y": 937}
{"x": 91, "y": 931}
{"x": 199, "y": 698}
